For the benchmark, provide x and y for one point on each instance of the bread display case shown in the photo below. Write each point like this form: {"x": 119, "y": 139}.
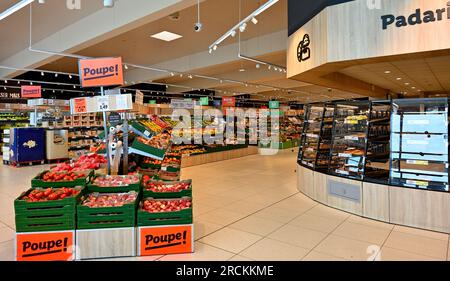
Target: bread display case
{"x": 314, "y": 114}
{"x": 419, "y": 144}
{"x": 349, "y": 139}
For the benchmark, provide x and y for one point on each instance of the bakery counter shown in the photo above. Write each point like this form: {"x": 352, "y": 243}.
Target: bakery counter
{"x": 418, "y": 208}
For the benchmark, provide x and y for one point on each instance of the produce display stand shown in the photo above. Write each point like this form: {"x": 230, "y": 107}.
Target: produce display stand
{"x": 164, "y": 218}
{"x": 38, "y": 182}
{"x": 46, "y": 246}
{"x": 91, "y": 187}
{"x": 183, "y": 193}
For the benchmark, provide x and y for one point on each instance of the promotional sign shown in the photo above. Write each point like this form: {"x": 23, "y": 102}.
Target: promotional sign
{"x": 79, "y": 105}
{"x": 228, "y": 101}
{"x": 162, "y": 240}
{"x": 274, "y": 104}
{"x": 152, "y": 102}
{"x": 204, "y": 101}
{"x": 100, "y": 72}
{"x": 114, "y": 119}
{"x": 103, "y": 103}
{"x": 184, "y": 104}
{"x": 45, "y": 246}
{"x": 30, "y": 91}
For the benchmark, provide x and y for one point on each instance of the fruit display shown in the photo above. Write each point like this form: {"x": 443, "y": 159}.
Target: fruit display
{"x": 152, "y": 126}
{"x": 49, "y": 194}
{"x": 112, "y": 181}
{"x": 158, "y": 186}
{"x": 85, "y": 162}
{"x": 52, "y": 176}
{"x": 160, "y": 141}
{"x": 103, "y": 200}
{"x": 151, "y": 161}
{"x": 171, "y": 161}
{"x": 162, "y": 205}
{"x": 168, "y": 176}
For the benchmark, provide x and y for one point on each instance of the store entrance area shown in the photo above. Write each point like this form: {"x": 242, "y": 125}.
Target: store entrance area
{"x": 250, "y": 209}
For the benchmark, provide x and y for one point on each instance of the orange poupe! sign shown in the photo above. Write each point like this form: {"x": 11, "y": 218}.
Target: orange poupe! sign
{"x": 45, "y": 246}
{"x": 30, "y": 92}
{"x": 100, "y": 72}
{"x": 166, "y": 240}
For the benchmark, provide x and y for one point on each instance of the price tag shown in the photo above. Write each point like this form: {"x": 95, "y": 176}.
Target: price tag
{"x": 417, "y": 162}
{"x": 353, "y": 138}
{"x": 121, "y": 102}
{"x": 147, "y": 133}
{"x": 103, "y": 103}
{"x": 345, "y": 155}
{"x": 79, "y": 106}
{"x": 342, "y": 172}
{"x": 418, "y": 183}
{"x": 163, "y": 168}
{"x": 353, "y": 169}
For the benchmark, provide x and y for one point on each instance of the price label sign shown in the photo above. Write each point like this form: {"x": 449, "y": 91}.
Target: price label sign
{"x": 103, "y": 103}
{"x": 79, "y": 106}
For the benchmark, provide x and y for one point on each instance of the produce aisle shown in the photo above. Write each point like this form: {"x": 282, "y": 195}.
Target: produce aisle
{"x": 249, "y": 209}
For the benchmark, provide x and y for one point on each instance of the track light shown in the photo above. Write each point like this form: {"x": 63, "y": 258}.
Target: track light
{"x": 210, "y": 51}
{"x": 31, "y": 83}
{"x": 254, "y": 20}
{"x": 126, "y": 66}
{"x": 233, "y": 33}
{"x": 6, "y": 81}
{"x": 215, "y": 47}
{"x": 4, "y": 88}
{"x": 190, "y": 76}
{"x": 269, "y": 67}
{"x": 172, "y": 74}
{"x": 243, "y": 27}
{"x": 42, "y": 74}
{"x": 74, "y": 86}
{"x": 56, "y": 74}
{"x": 258, "y": 66}
{"x": 70, "y": 76}
{"x": 18, "y": 82}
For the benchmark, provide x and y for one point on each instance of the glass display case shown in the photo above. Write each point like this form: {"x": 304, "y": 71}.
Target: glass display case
{"x": 311, "y": 134}
{"x": 349, "y": 139}
{"x": 419, "y": 143}
{"x": 325, "y": 138}
{"x": 378, "y": 143}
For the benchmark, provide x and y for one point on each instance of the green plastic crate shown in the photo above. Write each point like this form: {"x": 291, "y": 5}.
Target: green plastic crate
{"x": 142, "y": 130}
{"x": 118, "y": 189}
{"x": 48, "y": 225}
{"x": 38, "y": 182}
{"x": 147, "y": 150}
{"x": 107, "y": 217}
{"x": 157, "y": 195}
{"x": 164, "y": 218}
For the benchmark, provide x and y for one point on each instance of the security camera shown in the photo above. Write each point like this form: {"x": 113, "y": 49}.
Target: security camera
{"x": 198, "y": 27}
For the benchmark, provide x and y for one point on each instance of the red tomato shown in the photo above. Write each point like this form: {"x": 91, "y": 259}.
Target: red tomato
{"x": 53, "y": 196}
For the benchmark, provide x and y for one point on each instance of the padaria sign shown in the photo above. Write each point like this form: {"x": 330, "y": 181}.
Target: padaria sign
{"x": 418, "y": 17}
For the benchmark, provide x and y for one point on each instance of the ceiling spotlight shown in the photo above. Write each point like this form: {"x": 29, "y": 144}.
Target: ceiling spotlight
{"x": 6, "y": 81}
{"x": 221, "y": 81}
{"x": 167, "y": 86}
{"x": 269, "y": 67}
{"x": 181, "y": 75}
{"x": 413, "y": 88}
{"x": 4, "y": 88}
{"x": 31, "y": 83}
{"x": 233, "y": 33}
{"x": 190, "y": 76}
{"x": 126, "y": 66}
{"x": 172, "y": 74}
{"x": 242, "y": 27}
{"x": 210, "y": 51}
{"x": 42, "y": 73}
{"x": 215, "y": 47}
{"x": 53, "y": 91}
{"x": 56, "y": 74}
{"x": 280, "y": 69}
{"x": 399, "y": 78}
{"x": 275, "y": 68}
{"x": 74, "y": 86}
{"x": 258, "y": 66}
{"x": 387, "y": 72}
{"x": 406, "y": 83}
{"x": 18, "y": 82}
{"x": 254, "y": 20}
{"x": 242, "y": 70}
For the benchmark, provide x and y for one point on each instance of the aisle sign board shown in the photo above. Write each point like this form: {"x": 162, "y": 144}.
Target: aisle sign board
{"x": 112, "y": 92}
{"x": 204, "y": 101}
{"x": 100, "y": 72}
{"x": 163, "y": 240}
{"x": 30, "y": 91}
{"x": 45, "y": 246}
{"x": 274, "y": 104}
{"x": 228, "y": 101}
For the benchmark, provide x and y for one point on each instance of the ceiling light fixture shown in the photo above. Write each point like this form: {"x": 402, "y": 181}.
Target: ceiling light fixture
{"x": 56, "y": 74}
{"x": 108, "y": 3}
{"x": 243, "y": 27}
{"x": 215, "y": 47}
{"x": 254, "y": 20}
{"x": 126, "y": 66}
{"x": 242, "y": 70}
{"x": 42, "y": 74}
{"x": 258, "y": 66}
{"x": 387, "y": 72}
{"x": 406, "y": 83}
{"x": 6, "y": 81}
{"x": 166, "y": 36}
{"x": 172, "y": 74}
{"x": 399, "y": 78}
{"x": 15, "y": 8}
{"x": 233, "y": 33}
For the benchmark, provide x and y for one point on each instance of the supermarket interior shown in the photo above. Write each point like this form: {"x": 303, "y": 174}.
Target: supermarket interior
{"x": 238, "y": 130}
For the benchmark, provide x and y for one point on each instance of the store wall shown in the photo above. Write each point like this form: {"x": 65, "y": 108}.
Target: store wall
{"x": 301, "y": 11}
{"x": 355, "y": 30}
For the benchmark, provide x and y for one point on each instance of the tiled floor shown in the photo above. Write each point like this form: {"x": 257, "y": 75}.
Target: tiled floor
{"x": 249, "y": 209}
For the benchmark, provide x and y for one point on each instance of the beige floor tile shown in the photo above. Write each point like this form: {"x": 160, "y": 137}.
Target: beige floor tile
{"x": 268, "y": 249}
{"x": 215, "y": 201}
{"x": 7, "y": 251}
{"x": 6, "y": 234}
{"x": 203, "y": 228}
{"x": 276, "y": 214}
{"x": 8, "y": 219}
{"x": 201, "y": 208}
{"x": 245, "y": 207}
{"x": 231, "y": 240}
{"x": 202, "y": 252}
{"x": 418, "y": 244}
{"x": 302, "y": 237}
{"x": 348, "y": 249}
{"x": 221, "y": 216}
{"x": 421, "y": 232}
{"x": 389, "y": 254}
{"x": 327, "y": 212}
{"x": 257, "y": 225}
{"x": 316, "y": 256}
{"x": 321, "y": 224}
{"x": 296, "y": 204}
{"x": 240, "y": 258}
{"x": 362, "y": 232}
{"x": 370, "y": 222}
{"x": 262, "y": 199}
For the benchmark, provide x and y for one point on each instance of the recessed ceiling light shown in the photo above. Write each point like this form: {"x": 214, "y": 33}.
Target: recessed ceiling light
{"x": 242, "y": 70}
{"x": 413, "y": 88}
{"x": 166, "y": 36}
{"x": 406, "y": 83}
{"x": 399, "y": 78}
{"x": 387, "y": 72}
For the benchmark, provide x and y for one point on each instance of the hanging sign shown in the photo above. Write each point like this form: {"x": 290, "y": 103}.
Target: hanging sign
{"x": 79, "y": 105}
{"x": 204, "y": 101}
{"x": 164, "y": 240}
{"x": 45, "y": 246}
{"x": 152, "y": 102}
{"x": 228, "y": 101}
{"x": 139, "y": 98}
{"x": 100, "y": 72}
{"x": 30, "y": 92}
{"x": 183, "y": 104}
{"x": 274, "y": 104}
{"x": 103, "y": 103}
{"x": 114, "y": 119}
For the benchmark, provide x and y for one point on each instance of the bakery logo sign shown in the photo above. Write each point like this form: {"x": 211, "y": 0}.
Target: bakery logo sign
{"x": 45, "y": 246}
{"x": 303, "y": 50}
{"x": 101, "y": 72}
{"x": 165, "y": 240}
{"x": 416, "y": 18}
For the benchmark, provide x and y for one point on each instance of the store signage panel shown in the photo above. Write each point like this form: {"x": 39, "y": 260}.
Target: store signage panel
{"x": 228, "y": 101}
{"x": 139, "y": 98}
{"x": 100, "y": 72}
{"x": 9, "y": 95}
{"x": 30, "y": 92}
{"x": 45, "y": 246}
{"x": 79, "y": 105}
{"x": 101, "y": 104}
{"x": 352, "y": 31}
{"x": 163, "y": 240}
{"x": 182, "y": 104}
{"x": 274, "y": 104}
{"x": 204, "y": 101}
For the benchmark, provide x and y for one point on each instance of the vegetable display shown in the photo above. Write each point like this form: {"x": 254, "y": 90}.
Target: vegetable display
{"x": 112, "y": 181}
{"x": 49, "y": 194}
{"x": 103, "y": 200}
{"x": 159, "y": 206}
